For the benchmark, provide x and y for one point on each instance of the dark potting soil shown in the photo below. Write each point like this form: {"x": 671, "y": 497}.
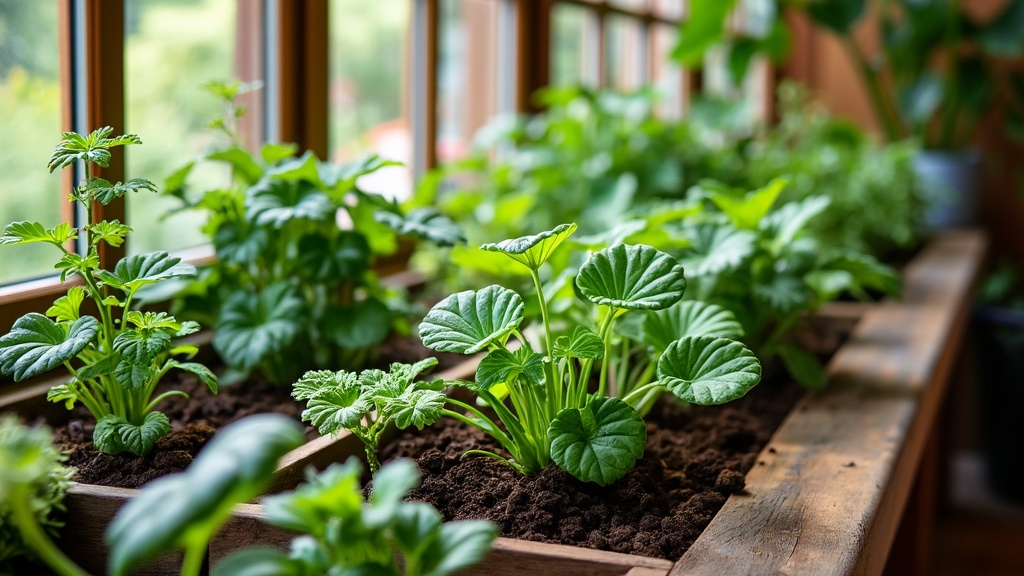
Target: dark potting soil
{"x": 695, "y": 458}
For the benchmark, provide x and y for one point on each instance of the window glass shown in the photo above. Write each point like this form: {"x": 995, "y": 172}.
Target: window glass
{"x": 673, "y": 9}
{"x": 368, "y": 89}
{"x": 629, "y": 4}
{"x": 172, "y": 49}
{"x": 574, "y": 38}
{"x": 668, "y": 77}
{"x": 625, "y": 52}
{"x": 30, "y": 113}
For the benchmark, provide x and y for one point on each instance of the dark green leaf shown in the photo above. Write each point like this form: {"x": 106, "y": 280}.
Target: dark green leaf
{"x": 470, "y": 321}
{"x": 741, "y": 52}
{"x": 632, "y": 277}
{"x": 277, "y": 202}
{"x": 258, "y": 562}
{"x": 804, "y": 367}
{"x": 104, "y": 192}
{"x": 532, "y": 251}
{"x": 139, "y": 350}
{"x": 134, "y": 272}
{"x": 363, "y": 325}
{"x": 36, "y": 344}
{"x": 689, "y": 318}
{"x": 599, "y": 442}
{"x": 206, "y": 376}
{"x": 98, "y": 368}
{"x": 708, "y": 369}
{"x": 839, "y": 16}
{"x": 253, "y": 328}
{"x": 345, "y": 255}
{"x": 1004, "y": 35}
{"x": 582, "y": 344}
{"x": 500, "y": 365}
{"x": 114, "y": 434}
{"x": 426, "y": 223}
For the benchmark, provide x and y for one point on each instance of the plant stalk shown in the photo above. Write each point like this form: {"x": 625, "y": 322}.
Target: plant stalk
{"x": 36, "y": 538}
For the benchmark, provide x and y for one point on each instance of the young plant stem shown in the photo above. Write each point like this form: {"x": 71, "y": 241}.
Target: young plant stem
{"x": 604, "y": 333}
{"x": 195, "y": 553}
{"x": 36, "y": 538}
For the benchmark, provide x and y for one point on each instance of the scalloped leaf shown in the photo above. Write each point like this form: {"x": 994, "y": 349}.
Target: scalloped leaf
{"x": 114, "y": 434}
{"x": 598, "y": 443}
{"x": 29, "y": 232}
{"x": 718, "y": 248}
{"x": 583, "y": 343}
{"x": 252, "y": 328}
{"x": 37, "y": 344}
{"x": 708, "y": 369}
{"x": 417, "y": 407}
{"x": 426, "y": 223}
{"x": 134, "y": 272}
{"x": 632, "y": 277}
{"x": 689, "y": 318}
{"x": 276, "y": 202}
{"x": 112, "y": 232}
{"x": 468, "y": 322}
{"x": 501, "y": 366}
{"x": 103, "y": 191}
{"x": 66, "y": 308}
{"x": 532, "y": 251}
{"x": 139, "y": 349}
{"x": 92, "y": 148}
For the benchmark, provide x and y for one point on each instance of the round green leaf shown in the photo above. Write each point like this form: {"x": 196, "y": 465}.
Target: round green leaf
{"x": 363, "y": 325}
{"x": 37, "y": 344}
{"x": 708, "y": 369}
{"x": 253, "y": 328}
{"x": 469, "y": 321}
{"x": 689, "y": 318}
{"x": 532, "y": 251}
{"x": 632, "y": 277}
{"x": 599, "y": 442}
{"x": 582, "y": 344}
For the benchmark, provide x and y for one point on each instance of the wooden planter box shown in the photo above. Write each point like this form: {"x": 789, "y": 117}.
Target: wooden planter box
{"x": 828, "y": 499}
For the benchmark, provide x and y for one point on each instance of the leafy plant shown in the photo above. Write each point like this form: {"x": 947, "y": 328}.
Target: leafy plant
{"x": 290, "y": 288}
{"x": 595, "y": 437}
{"x": 117, "y": 360}
{"x": 183, "y": 511}
{"x": 340, "y": 534}
{"x": 367, "y": 403}
{"x": 33, "y": 482}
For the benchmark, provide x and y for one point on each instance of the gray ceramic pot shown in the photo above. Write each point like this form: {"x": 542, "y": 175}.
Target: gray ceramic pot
{"x": 952, "y": 179}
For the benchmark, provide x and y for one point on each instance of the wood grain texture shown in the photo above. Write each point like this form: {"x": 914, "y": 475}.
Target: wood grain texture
{"x": 829, "y": 489}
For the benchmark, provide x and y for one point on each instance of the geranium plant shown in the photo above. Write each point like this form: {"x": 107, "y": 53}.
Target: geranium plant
{"x": 115, "y": 360}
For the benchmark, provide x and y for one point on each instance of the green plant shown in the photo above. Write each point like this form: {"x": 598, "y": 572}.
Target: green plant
{"x": 367, "y": 403}
{"x": 595, "y": 437}
{"x": 183, "y": 511}
{"x": 117, "y": 360}
{"x": 340, "y": 534}
{"x": 33, "y": 482}
{"x": 291, "y": 289}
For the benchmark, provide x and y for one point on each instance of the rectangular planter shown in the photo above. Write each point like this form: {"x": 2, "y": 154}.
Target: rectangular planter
{"x": 827, "y": 500}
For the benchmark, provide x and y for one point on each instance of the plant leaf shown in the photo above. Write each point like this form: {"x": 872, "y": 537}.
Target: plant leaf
{"x": 37, "y": 344}
{"x": 206, "y": 376}
{"x": 99, "y": 368}
{"x": 689, "y": 318}
{"x": 243, "y": 165}
{"x": 704, "y": 28}
{"x": 104, "y": 192}
{"x": 426, "y": 223}
{"x": 258, "y": 561}
{"x": 746, "y": 213}
{"x": 134, "y": 272}
{"x": 708, "y": 369}
{"x": 276, "y": 202}
{"x": 92, "y": 148}
{"x": 112, "y": 233}
{"x": 632, "y": 277}
{"x": 28, "y": 232}
{"x": 532, "y": 251}
{"x": 415, "y": 407}
{"x": 139, "y": 349}
{"x": 839, "y": 16}
{"x": 468, "y": 322}
{"x": 346, "y": 255}
{"x": 253, "y": 328}
{"x": 717, "y": 249}
{"x": 66, "y": 308}
{"x": 363, "y": 325}
{"x": 500, "y": 365}
{"x": 582, "y": 344}
{"x": 599, "y": 442}
{"x": 337, "y": 408}
{"x": 804, "y": 367}
{"x": 114, "y": 434}
{"x": 458, "y": 546}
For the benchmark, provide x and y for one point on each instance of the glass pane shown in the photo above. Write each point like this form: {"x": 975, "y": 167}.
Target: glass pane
{"x": 636, "y": 5}
{"x": 172, "y": 49}
{"x": 668, "y": 76}
{"x": 30, "y": 110}
{"x": 669, "y": 8}
{"x": 474, "y": 71}
{"x": 625, "y": 53}
{"x": 574, "y": 46}
{"x": 368, "y": 89}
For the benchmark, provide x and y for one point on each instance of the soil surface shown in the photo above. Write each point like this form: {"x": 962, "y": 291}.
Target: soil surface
{"x": 695, "y": 458}
{"x": 195, "y": 419}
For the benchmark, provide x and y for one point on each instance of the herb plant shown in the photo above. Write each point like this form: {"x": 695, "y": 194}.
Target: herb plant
{"x": 553, "y": 417}
{"x": 117, "y": 360}
{"x": 340, "y": 534}
{"x": 33, "y": 482}
{"x": 290, "y": 289}
{"x": 367, "y": 403}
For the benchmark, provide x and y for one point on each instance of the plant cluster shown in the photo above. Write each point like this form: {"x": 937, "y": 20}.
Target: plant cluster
{"x": 33, "y": 482}
{"x": 290, "y": 288}
{"x": 115, "y": 360}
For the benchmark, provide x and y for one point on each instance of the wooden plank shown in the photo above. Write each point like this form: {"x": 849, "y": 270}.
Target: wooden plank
{"x": 836, "y": 476}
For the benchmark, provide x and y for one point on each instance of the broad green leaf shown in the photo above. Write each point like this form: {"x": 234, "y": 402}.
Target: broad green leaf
{"x": 470, "y": 321}
{"x": 804, "y": 367}
{"x": 317, "y": 381}
{"x": 302, "y": 169}
{"x": 134, "y": 272}
{"x": 365, "y": 324}
{"x": 582, "y": 344}
{"x": 92, "y": 148}
{"x": 272, "y": 153}
{"x": 704, "y": 28}
{"x": 258, "y": 561}
{"x": 206, "y": 376}
{"x": 415, "y": 407}
{"x": 335, "y": 492}
{"x": 37, "y": 344}
{"x": 174, "y": 185}
{"x": 426, "y": 223}
{"x": 139, "y": 350}
{"x": 500, "y": 365}
{"x": 492, "y": 263}
{"x": 337, "y": 408}
{"x": 104, "y": 192}
{"x": 66, "y": 308}
{"x": 740, "y": 53}
{"x": 415, "y": 526}
{"x": 746, "y": 213}
{"x": 791, "y": 220}
{"x": 708, "y": 369}
{"x": 234, "y": 467}
{"x": 532, "y": 251}
{"x": 99, "y": 368}
{"x": 277, "y": 202}
{"x": 459, "y": 545}
{"x": 346, "y": 255}
{"x": 866, "y": 272}
{"x": 112, "y": 233}
{"x": 29, "y": 232}
{"x": 839, "y": 16}
{"x": 394, "y": 482}
{"x": 253, "y": 328}
{"x": 599, "y": 442}
{"x": 632, "y": 277}
{"x": 243, "y": 165}
{"x": 114, "y": 434}
{"x": 689, "y": 318}
{"x": 717, "y": 249}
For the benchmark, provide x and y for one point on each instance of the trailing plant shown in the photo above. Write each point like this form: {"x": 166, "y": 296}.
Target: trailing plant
{"x": 552, "y": 417}
{"x": 116, "y": 360}
{"x": 342, "y": 534}
{"x": 290, "y": 289}
{"x": 368, "y": 402}
{"x": 33, "y": 483}
{"x": 183, "y": 511}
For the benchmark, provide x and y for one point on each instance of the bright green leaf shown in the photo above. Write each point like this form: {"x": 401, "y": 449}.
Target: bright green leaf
{"x": 599, "y": 442}
{"x": 583, "y": 343}
{"x": 29, "y": 232}
{"x": 532, "y": 251}
{"x": 66, "y": 308}
{"x": 632, "y": 277}
{"x": 500, "y": 366}
{"x": 746, "y": 213}
{"x": 689, "y": 318}
{"x": 708, "y": 369}
{"x": 470, "y": 321}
